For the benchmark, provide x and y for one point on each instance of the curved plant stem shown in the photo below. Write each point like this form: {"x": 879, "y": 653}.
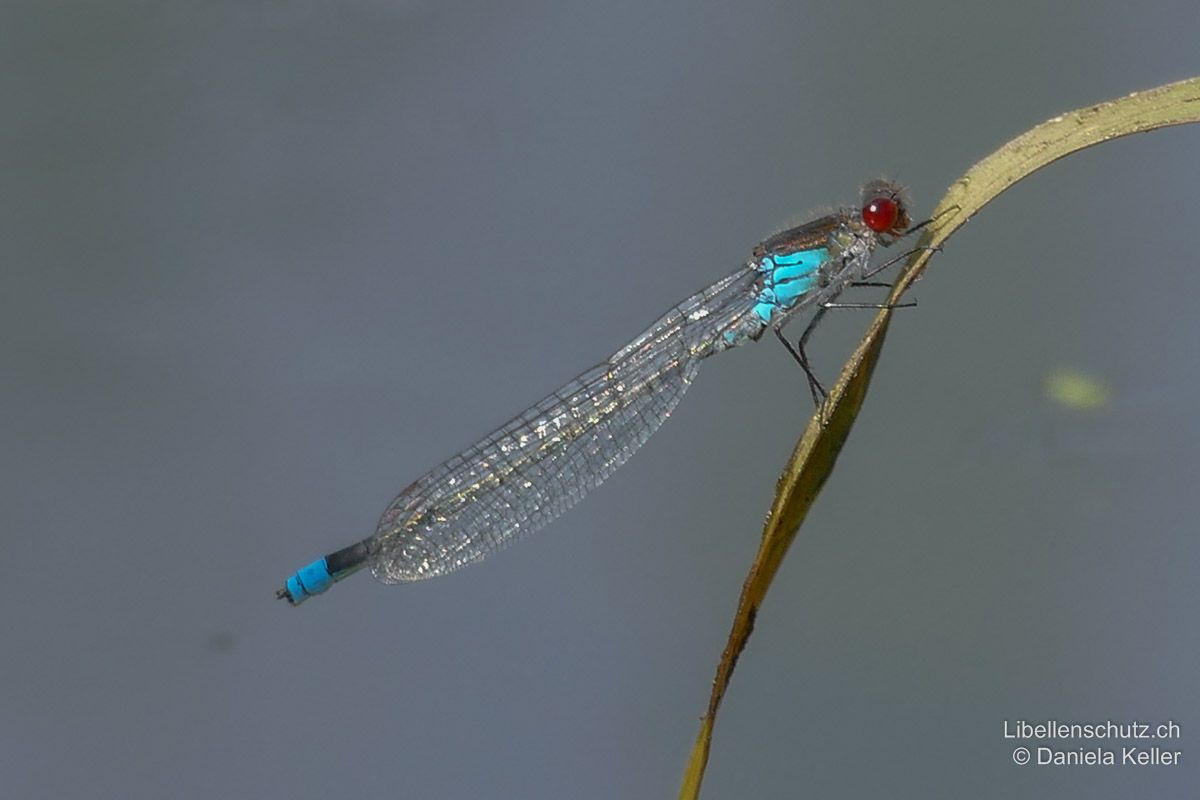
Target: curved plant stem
{"x": 818, "y": 448}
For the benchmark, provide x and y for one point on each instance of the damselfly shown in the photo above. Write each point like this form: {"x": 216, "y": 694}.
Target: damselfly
{"x": 531, "y": 470}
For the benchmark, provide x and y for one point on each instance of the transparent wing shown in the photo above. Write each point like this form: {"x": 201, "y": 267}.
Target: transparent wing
{"x": 544, "y": 461}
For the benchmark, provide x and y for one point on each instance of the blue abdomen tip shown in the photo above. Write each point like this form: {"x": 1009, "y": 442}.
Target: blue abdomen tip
{"x": 309, "y": 581}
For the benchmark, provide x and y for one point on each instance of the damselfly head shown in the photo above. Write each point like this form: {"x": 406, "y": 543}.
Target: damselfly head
{"x": 885, "y": 208}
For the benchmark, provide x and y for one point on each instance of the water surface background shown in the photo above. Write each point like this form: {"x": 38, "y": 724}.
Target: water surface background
{"x": 264, "y": 263}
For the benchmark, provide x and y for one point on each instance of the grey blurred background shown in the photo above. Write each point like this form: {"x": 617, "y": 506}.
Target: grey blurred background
{"x": 264, "y": 263}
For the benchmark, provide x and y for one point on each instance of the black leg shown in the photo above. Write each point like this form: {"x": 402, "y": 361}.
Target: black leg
{"x": 951, "y": 210}
{"x": 898, "y": 259}
{"x": 814, "y": 386}
{"x": 812, "y": 326}
{"x": 909, "y": 304}
{"x": 798, "y": 350}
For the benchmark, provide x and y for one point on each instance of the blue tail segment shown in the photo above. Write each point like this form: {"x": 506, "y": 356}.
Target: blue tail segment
{"x": 309, "y": 581}
{"x": 318, "y": 576}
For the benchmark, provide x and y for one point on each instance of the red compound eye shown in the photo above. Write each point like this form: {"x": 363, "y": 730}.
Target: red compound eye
{"x": 881, "y": 213}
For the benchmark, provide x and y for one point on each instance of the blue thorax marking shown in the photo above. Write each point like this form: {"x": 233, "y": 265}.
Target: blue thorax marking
{"x": 786, "y": 278}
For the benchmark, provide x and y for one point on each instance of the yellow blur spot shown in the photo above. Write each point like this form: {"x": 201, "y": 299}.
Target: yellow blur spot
{"x": 1075, "y": 390}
